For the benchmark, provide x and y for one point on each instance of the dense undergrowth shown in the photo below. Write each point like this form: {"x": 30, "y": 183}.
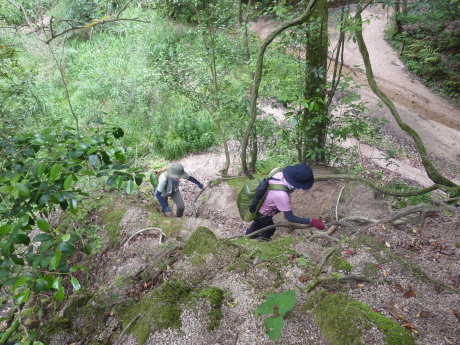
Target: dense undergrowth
{"x": 428, "y": 40}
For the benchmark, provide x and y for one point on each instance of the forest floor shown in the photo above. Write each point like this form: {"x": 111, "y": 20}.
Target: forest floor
{"x": 428, "y": 307}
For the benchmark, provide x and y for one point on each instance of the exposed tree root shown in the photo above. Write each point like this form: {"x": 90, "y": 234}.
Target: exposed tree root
{"x": 340, "y": 279}
{"x": 162, "y": 235}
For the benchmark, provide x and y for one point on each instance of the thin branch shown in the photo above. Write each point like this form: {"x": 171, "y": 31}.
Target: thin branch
{"x": 162, "y": 234}
{"x": 126, "y": 329}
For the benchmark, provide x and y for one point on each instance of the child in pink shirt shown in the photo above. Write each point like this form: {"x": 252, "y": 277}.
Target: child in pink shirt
{"x": 299, "y": 176}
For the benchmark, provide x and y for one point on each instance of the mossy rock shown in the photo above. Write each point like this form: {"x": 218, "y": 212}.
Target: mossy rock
{"x": 343, "y": 320}
{"x": 159, "y": 308}
{"x": 203, "y": 242}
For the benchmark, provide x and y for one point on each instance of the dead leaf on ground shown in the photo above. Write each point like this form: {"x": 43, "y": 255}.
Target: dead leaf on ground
{"x": 409, "y": 293}
{"x": 349, "y": 252}
{"x": 303, "y": 279}
{"x": 457, "y": 314}
{"x": 424, "y": 313}
{"x": 410, "y": 327}
{"x": 438, "y": 288}
{"x": 399, "y": 287}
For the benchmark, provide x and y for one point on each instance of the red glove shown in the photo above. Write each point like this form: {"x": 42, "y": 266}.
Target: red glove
{"x": 317, "y": 223}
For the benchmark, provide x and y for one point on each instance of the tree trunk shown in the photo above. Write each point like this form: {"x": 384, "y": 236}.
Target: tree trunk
{"x": 258, "y": 76}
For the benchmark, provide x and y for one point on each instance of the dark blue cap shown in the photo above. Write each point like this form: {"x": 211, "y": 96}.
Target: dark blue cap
{"x": 299, "y": 176}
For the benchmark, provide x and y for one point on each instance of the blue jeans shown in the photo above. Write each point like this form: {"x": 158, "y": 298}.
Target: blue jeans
{"x": 260, "y": 223}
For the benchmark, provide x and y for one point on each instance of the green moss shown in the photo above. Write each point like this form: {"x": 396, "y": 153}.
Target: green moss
{"x": 274, "y": 251}
{"x": 343, "y": 319}
{"x": 203, "y": 242}
{"x": 111, "y": 217}
{"x": 159, "y": 307}
{"x": 237, "y": 183}
{"x": 215, "y": 297}
{"x": 170, "y": 226}
{"x": 340, "y": 264}
{"x": 370, "y": 270}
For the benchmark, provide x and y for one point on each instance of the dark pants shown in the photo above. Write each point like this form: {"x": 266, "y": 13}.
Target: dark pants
{"x": 177, "y": 198}
{"x": 260, "y": 223}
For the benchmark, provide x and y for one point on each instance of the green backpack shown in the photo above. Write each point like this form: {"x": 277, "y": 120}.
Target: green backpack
{"x": 253, "y": 194}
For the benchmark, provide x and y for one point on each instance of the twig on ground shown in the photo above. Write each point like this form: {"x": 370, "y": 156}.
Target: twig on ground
{"x": 162, "y": 234}
{"x": 337, "y": 203}
{"x": 126, "y": 329}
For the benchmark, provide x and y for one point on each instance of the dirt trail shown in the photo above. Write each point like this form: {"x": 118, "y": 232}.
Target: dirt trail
{"x": 435, "y": 119}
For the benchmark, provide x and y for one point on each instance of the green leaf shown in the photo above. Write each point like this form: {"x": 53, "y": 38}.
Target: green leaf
{"x": 119, "y": 182}
{"x": 87, "y": 173}
{"x": 66, "y": 237}
{"x": 6, "y": 189}
{"x": 22, "y": 238}
{"x": 285, "y": 301}
{"x": 41, "y": 285}
{"x": 87, "y": 248}
{"x": 130, "y": 187}
{"x": 265, "y": 308}
{"x": 153, "y": 180}
{"x": 55, "y": 171}
{"x": 19, "y": 282}
{"x": 274, "y": 326}
{"x": 93, "y": 160}
{"x": 22, "y": 189}
{"x": 73, "y": 206}
{"x": 54, "y": 262}
{"x": 75, "y": 283}
{"x": 39, "y": 169}
{"x": 118, "y": 132}
{"x": 43, "y": 225}
{"x": 42, "y": 238}
{"x": 23, "y": 296}
{"x": 6, "y": 229}
{"x": 59, "y": 295}
{"x": 68, "y": 182}
{"x": 66, "y": 248}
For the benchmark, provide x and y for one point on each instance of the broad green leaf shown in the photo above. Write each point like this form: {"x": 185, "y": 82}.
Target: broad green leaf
{"x": 118, "y": 132}
{"x": 130, "y": 187}
{"x": 6, "y": 229}
{"x": 55, "y": 171}
{"x": 93, "y": 160}
{"x": 39, "y": 169}
{"x": 59, "y": 295}
{"x": 66, "y": 237}
{"x": 153, "y": 180}
{"x": 56, "y": 282}
{"x": 3, "y": 208}
{"x": 119, "y": 182}
{"x": 68, "y": 182}
{"x": 23, "y": 296}
{"x": 87, "y": 173}
{"x": 87, "y": 248}
{"x": 22, "y": 189}
{"x": 20, "y": 282}
{"x": 274, "y": 326}
{"x": 65, "y": 248}
{"x": 75, "y": 283}
{"x": 41, "y": 285}
{"x": 73, "y": 206}
{"x": 54, "y": 262}
{"x": 265, "y": 308}
{"x": 43, "y": 225}
{"x": 285, "y": 301}
{"x": 44, "y": 199}
{"x": 42, "y": 238}
{"x": 22, "y": 238}
{"x": 78, "y": 267}
{"x": 6, "y": 189}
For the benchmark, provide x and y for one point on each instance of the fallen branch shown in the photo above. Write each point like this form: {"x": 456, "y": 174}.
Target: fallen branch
{"x": 318, "y": 281}
{"x": 162, "y": 234}
{"x": 126, "y": 329}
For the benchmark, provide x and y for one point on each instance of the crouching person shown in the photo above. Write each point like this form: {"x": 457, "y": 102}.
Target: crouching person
{"x": 168, "y": 187}
{"x": 299, "y": 176}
